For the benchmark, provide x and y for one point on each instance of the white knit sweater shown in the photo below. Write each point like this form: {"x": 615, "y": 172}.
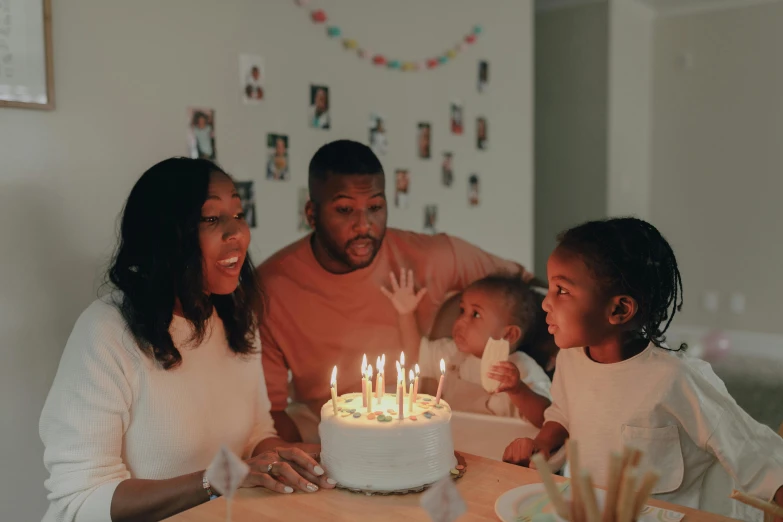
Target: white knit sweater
{"x": 113, "y": 413}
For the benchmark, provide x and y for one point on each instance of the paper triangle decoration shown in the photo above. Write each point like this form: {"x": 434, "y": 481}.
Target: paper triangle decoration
{"x": 226, "y": 472}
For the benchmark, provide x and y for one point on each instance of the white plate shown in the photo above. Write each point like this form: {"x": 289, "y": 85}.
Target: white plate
{"x": 510, "y": 504}
{"x": 515, "y": 501}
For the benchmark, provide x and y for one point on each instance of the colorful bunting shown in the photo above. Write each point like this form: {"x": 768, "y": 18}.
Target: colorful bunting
{"x": 318, "y": 16}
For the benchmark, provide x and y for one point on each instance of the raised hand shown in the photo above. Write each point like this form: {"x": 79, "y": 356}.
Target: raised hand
{"x": 507, "y": 374}
{"x": 403, "y": 294}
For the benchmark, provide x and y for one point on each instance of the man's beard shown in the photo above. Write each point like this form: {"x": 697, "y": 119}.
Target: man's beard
{"x": 339, "y": 254}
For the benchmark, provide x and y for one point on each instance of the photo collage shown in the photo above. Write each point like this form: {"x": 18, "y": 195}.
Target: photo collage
{"x": 202, "y": 142}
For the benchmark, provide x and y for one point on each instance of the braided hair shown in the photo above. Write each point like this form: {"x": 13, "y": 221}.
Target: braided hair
{"x": 630, "y": 257}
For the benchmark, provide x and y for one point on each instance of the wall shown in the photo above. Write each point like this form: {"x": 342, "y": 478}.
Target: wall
{"x": 716, "y": 159}
{"x": 630, "y": 117}
{"x": 125, "y": 73}
{"x": 571, "y": 76}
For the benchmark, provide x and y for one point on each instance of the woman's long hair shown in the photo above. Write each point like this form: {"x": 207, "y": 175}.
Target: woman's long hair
{"x": 158, "y": 261}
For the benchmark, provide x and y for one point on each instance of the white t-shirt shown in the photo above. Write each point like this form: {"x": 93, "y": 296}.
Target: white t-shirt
{"x": 319, "y": 121}
{"x": 113, "y": 413}
{"x": 462, "y": 387}
{"x": 378, "y": 142}
{"x": 401, "y": 199}
{"x": 679, "y": 413}
{"x": 204, "y": 140}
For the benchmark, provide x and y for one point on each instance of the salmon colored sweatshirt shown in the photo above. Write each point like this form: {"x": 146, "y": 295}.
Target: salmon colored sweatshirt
{"x": 316, "y": 320}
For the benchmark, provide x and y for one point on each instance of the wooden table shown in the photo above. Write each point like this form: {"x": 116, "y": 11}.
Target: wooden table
{"x": 484, "y": 481}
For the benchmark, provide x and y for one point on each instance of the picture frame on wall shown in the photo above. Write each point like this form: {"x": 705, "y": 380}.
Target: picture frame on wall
{"x": 26, "y": 55}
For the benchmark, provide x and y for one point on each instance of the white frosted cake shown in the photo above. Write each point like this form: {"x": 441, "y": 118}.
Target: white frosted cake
{"x": 378, "y": 451}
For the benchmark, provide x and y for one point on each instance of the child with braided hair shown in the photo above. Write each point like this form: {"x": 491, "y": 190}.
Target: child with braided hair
{"x": 614, "y": 288}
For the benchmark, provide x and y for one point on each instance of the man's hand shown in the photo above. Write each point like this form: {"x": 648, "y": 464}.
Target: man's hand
{"x": 403, "y": 294}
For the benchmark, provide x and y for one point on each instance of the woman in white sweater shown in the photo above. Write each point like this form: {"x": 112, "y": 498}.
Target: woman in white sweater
{"x": 160, "y": 373}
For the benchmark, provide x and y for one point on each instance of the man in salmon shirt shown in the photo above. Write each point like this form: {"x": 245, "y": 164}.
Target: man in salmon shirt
{"x": 325, "y": 304}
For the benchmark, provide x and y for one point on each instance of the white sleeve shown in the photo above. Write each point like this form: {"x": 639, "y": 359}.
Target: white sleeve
{"x": 558, "y": 411}
{"x": 264, "y": 426}
{"x": 532, "y": 374}
{"x": 85, "y": 416}
{"x": 430, "y": 354}
{"x": 749, "y": 451}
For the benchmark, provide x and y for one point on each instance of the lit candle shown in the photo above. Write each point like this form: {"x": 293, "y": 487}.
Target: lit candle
{"x": 402, "y": 367}
{"x": 381, "y": 379}
{"x": 378, "y": 377}
{"x": 334, "y": 390}
{"x": 440, "y": 384}
{"x": 369, "y": 388}
{"x": 400, "y": 391}
{"x": 416, "y": 384}
{"x": 364, "y": 380}
{"x": 410, "y": 392}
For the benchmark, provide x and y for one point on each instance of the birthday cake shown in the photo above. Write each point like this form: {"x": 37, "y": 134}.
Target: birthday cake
{"x": 377, "y": 451}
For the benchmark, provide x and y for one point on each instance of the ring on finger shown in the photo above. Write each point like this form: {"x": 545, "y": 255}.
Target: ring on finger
{"x": 269, "y": 467}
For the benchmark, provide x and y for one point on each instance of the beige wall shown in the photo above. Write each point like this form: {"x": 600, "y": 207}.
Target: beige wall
{"x": 630, "y": 112}
{"x": 125, "y": 73}
{"x": 717, "y": 159}
{"x": 571, "y": 75}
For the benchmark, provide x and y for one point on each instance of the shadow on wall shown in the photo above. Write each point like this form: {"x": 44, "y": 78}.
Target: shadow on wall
{"x": 46, "y": 282}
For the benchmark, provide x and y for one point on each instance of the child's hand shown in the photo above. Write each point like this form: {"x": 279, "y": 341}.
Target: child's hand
{"x": 520, "y": 451}
{"x": 402, "y": 295}
{"x": 507, "y": 374}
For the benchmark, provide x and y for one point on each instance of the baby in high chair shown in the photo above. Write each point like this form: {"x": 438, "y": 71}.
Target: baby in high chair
{"x": 485, "y": 371}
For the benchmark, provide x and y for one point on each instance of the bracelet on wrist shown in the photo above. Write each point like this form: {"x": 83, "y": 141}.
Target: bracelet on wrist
{"x": 208, "y": 487}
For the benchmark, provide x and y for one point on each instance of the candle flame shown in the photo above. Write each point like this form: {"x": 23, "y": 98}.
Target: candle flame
{"x": 369, "y": 371}
{"x": 442, "y": 367}
{"x": 417, "y": 370}
{"x": 399, "y": 375}
{"x": 364, "y": 363}
{"x": 378, "y": 364}
{"x": 399, "y": 369}
{"x": 410, "y": 376}
{"x": 402, "y": 359}
{"x": 383, "y": 359}
{"x": 334, "y": 376}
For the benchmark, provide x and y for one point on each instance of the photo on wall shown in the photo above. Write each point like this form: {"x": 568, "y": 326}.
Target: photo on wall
{"x": 483, "y": 75}
{"x": 377, "y": 134}
{"x": 251, "y": 76}
{"x": 201, "y": 133}
{"x": 430, "y": 219}
{"x": 247, "y": 195}
{"x": 456, "y": 118}
{"x": 481, "y": 133}
{"x": 277, "y": 157}
{"x": 402, "y": 185}
{"x": 303, "y": 196}
{"x": 447, "y": 169}
{"x": 319, "y": 107}
{"x": 473, "y": 190}
{"x": 424, "y": 139}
